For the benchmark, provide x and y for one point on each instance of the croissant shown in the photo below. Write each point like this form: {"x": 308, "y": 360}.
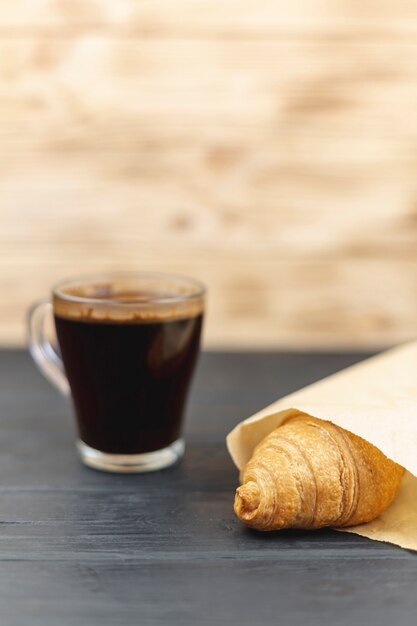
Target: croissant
{"x": 310, "y": 473}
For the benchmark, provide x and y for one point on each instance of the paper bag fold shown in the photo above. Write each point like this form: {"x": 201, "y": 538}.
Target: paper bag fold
{"x": 375, "y": 399}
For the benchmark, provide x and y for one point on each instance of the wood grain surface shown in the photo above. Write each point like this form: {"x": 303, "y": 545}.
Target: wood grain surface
{"x": 82, "y": 548}
{"x": 269, "y": 148}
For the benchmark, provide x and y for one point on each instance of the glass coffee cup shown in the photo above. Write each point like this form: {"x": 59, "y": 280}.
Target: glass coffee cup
{"x": 128, "y": 346}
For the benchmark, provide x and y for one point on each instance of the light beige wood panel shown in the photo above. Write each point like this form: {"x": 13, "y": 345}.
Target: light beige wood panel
{"x": 270, "y": 150}
{"x": 313, "y": 155}
{"x": 261, "y": 294}
{"x": 260, "y": 303}
{"x": 210, "y": 17}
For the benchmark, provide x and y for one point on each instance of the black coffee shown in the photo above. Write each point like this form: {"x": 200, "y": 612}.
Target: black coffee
{"x": 129, "y": 379}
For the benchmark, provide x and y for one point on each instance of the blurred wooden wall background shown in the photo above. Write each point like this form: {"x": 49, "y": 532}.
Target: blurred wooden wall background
{"x": 268, "y": 147}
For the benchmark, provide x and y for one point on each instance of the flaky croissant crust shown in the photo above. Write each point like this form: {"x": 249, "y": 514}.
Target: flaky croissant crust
{"x": 310, "y": 473}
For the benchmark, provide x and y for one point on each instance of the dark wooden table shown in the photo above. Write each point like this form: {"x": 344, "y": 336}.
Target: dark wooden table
{"x": 80, "y": 547}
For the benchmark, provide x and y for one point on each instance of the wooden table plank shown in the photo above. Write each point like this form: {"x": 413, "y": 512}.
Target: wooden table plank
{"x": 84, "y": 547}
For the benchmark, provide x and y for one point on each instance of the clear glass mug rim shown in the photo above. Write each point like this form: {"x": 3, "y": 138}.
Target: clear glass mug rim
{"x": 198, "y": 288}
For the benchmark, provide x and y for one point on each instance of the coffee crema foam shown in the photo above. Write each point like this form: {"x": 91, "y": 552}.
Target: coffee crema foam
{"x": 121, "y": 307}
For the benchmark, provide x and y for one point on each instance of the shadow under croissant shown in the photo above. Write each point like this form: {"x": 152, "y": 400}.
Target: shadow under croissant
{"x": 325, "y": 535}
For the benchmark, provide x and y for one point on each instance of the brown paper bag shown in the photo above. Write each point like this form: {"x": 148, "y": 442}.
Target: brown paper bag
{"x": 375, "y": 399}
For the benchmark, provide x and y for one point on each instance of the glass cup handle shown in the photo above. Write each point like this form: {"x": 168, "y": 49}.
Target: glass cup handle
{"x": 41, "y": 349}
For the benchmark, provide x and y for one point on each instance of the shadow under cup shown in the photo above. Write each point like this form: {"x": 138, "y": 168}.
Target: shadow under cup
{"x": 129, "y": 345}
